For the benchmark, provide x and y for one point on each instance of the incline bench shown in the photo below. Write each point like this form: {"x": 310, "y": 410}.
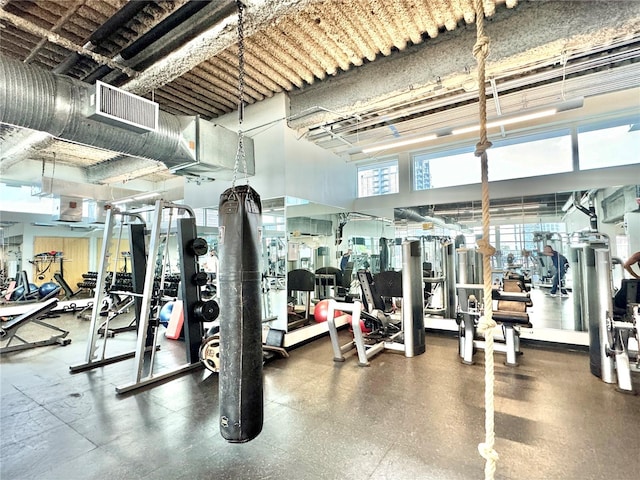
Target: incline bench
{"x": 9, "y": 329}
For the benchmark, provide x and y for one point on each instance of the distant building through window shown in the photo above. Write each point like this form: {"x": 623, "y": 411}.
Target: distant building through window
{"x": 378, "y": 179}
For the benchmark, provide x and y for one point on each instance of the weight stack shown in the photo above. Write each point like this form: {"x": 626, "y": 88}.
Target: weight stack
{"x": 240, "y": 377}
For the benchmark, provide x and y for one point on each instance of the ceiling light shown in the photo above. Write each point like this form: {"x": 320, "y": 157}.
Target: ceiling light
{"x": 146, "y": 195}
{"x": 136, "y": 198}
{"x": 401, "y": 143}
{"x": 507, "y": 121}
{"x": 524, "y": 116}
{"x": 517, "y": 208}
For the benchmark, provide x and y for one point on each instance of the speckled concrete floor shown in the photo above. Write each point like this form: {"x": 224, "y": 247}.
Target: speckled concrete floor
{"x": 400, "y": 418}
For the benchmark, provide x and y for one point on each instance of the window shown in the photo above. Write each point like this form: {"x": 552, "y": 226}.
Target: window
{"x": 22, "y": 199}
{"x": 610, "y": 146}
{"x": 431, "y": 171}
{"x": 378, "y": 179}
{"x": 531, "y": 156}
{"x": 515, "y": 158}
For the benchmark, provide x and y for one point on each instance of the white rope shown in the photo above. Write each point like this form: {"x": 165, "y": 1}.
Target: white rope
{"x": 486, "y": 324}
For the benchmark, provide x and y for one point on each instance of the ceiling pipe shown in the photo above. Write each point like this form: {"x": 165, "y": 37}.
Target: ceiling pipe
{"x": 188, "y": 10}
{"x": 211, "y": 42}
{"x": 413, "y": 216}
{"x": 212, "y": 14}
{"x": 56, "y": 39}
{"x": 114, "y": 23}
{"x": 33, "y": 98}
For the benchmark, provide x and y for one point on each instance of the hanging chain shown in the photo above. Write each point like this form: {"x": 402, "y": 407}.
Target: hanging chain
{"x": 240, "y": 155}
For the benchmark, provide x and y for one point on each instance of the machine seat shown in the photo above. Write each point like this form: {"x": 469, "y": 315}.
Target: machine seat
{"x": 512, "y": 318}
{"x": 628, "y": 294}
{"x": 512, "y": 297}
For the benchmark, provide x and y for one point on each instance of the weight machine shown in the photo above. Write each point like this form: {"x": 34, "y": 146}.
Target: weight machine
{"x": 409, "y": 338}
{"x": 195, "y": 310}
{"x": 438, "y": 272}
{"x": 511, "y": 313}
{"x": 610, "y": 325}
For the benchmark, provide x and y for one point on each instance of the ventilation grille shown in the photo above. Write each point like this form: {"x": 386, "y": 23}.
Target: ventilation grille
{"x": 123, "y": 109}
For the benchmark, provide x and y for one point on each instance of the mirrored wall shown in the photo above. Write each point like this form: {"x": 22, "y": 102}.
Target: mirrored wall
{"x": 520, "y": 229}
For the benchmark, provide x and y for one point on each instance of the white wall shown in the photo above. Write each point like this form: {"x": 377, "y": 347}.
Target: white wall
{"x": 285, "y": 165}
{"x": 632, "y": 228}
{"x": 317, "y": 175}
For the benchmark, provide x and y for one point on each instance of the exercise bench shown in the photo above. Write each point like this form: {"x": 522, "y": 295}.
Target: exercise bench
{"x": 9, "y": 330}
{"x": 68, "y": 292}
{"x": 511, "y": 314}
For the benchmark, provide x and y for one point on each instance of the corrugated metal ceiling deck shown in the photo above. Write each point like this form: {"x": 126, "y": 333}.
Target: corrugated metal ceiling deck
{"x": 316, "y": 40}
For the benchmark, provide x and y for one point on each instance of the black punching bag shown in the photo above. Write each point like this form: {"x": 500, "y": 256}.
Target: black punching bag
{"x": 240, "y": 377}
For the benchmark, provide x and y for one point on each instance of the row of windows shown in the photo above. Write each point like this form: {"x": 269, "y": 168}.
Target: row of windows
{"x": 598, "y": 146}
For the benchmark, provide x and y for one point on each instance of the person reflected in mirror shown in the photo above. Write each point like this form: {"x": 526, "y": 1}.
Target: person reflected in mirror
{"x": 346, "y": 256}
{"x": 631, "y": 261}
{"x": 211, "y": 265}
{"x": 560, "y": 263}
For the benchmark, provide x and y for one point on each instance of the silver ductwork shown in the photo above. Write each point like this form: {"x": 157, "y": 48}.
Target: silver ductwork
{"x": 33, "y": 98}
{"x": 414, "y": 216}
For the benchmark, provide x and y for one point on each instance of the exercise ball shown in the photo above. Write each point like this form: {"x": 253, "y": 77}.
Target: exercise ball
{"x": 46, "y": 289}
{"x": 17, "y": 293}
{"x": 363, "y": 325}
{"x": 321, "y": 310}
{"x": 165, "y": 314}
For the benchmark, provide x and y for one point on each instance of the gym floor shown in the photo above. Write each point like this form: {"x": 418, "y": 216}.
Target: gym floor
{"x": 418, "y": 418}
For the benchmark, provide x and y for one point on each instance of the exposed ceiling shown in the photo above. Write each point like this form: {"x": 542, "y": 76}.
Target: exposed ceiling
{"x": 184, "y": 56}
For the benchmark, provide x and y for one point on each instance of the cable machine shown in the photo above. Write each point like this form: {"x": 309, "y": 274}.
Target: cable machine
{"x": 438, "y": 275}
{"x": 609, "y": 328}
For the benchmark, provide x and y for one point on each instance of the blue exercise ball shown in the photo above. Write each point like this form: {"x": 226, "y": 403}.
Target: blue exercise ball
{"x": 165, "y": 314}
{"x": 46, "y": 289}
{"x": 17, "y": 293}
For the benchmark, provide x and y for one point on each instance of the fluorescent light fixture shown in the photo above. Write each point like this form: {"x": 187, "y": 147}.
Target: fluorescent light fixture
{"x": 507, "y": 121}
{"x": 146, "y": 195}
{"x": 510, "y": 119}
{"x": 517, "y": 208}
{"x": 401, "y": 143}
{"x": 135, "y": 198}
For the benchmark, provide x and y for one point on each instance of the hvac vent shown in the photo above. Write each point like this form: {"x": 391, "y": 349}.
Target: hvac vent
{"x": 70, "y": 209}
{"x": 122, "y": 109}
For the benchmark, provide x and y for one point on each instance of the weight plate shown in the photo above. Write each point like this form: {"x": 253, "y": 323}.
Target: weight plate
{"x": 207, "y": 311}
{"x": 199, "y": 246}
{"x": 200, "y": 279}
{"x": 210, "y": 353}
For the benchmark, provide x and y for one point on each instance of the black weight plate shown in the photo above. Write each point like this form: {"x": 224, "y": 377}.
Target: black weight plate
{"x": 207, "y": 311}
{"x": 199, "y": 246}
{"x": 200, "y": 279}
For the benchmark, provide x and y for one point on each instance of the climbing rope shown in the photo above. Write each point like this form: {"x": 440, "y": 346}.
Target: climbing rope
{"x": 486, "y": 324}
{"x": 240, "y": 154}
